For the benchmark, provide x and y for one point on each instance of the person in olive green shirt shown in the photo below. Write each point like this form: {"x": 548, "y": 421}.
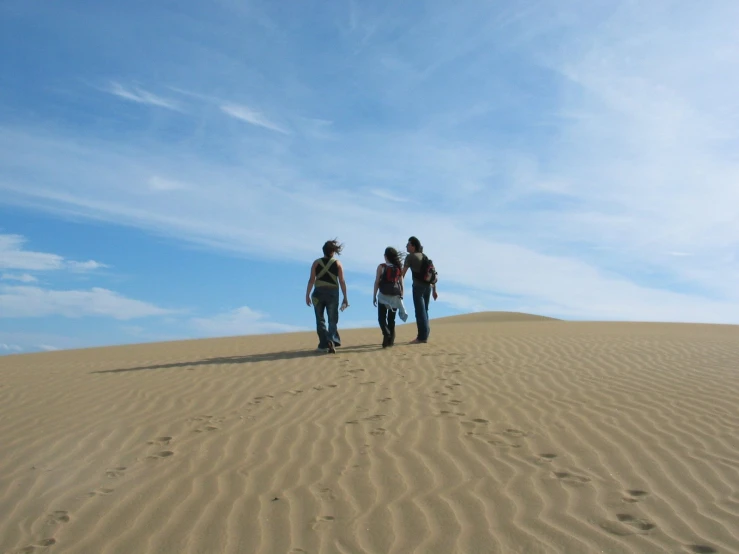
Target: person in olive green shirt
{"x": 327, "y": 275}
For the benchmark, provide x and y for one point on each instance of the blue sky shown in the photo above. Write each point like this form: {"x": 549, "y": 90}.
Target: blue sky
{"x": 171, "y": 169}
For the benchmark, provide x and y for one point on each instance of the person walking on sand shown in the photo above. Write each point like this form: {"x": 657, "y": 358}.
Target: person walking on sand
{"x": 327, "y": 274}
{"x": 422, "y": 290}
{"x": 388, "y": 295}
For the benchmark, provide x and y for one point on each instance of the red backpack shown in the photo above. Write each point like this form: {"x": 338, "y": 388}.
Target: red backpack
{"x": 390, "y": 280}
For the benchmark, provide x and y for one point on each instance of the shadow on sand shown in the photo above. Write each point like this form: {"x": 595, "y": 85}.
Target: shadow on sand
{"x": 249, "y": 359}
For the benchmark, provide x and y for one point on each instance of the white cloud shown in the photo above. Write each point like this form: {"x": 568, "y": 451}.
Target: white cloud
{"x": 89, "y": 265}
{"x": 245, "y": 113}
{"x": 241, "y": 321}
{"x": 47, "y": 347}
{"x": 140, "y": 96}
{"x": 23, "y": 277}
{"x": 14, "y": 256}
{"x": 33, "y": 341}
{"x": 387, "y": 195}
{"x": 10, "y": 347}
{"x": 37, "y": 302}
{"x": 608, "y": 146}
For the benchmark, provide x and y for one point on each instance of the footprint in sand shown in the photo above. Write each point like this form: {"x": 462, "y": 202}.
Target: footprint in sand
{"x": 207, "y": 428}
{"x": 635, "y": 495}
{"x": 376, "y": 417}
{"x": 115, "y": 472}
{"x": 160, "y": 455}
{"x": 388, "y": 399}
{"x": 546, "y": 458}
{"x": 56, "y": 517}
{"x": 702, "y": 549}
{"x": 515, "y": 433}
{"x": 327, "y": 494}
{"x": 637, "y": 523}
{"x": 571, "y": 478}
{"x": 41, "y": 544}
{"x": 377, "y": 432}
{"x": 161, "y": 441}
{"x": 502, "y": 444}
{"x": 100, "y": 492}
{"x": 322, "y": 521}
{"x": 621, "y": 530}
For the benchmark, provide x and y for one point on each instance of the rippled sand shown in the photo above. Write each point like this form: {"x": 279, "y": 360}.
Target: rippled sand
{"x": 507, "y": 433}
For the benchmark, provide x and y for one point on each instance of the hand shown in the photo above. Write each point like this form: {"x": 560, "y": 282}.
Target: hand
{"x": 308, "y": 301}
{"x": 344, "y": 305}
{"x": 435, "y": 294}
{"x": 374, "y": 301}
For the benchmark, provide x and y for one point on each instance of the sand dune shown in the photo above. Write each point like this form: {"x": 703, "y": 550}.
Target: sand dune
{"x": 505, "y": 434}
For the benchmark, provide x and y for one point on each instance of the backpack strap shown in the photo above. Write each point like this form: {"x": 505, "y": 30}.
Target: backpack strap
{"x": 324, "y": 270}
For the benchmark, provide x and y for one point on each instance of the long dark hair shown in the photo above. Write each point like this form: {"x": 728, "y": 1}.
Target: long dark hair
{"x": 393, "y": 256}
{"x": 416, "y": 244}
{"x": 332, "y": 246}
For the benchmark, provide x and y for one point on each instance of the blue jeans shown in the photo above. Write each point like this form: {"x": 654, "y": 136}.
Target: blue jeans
{"x": 326, "y": 298}
{"x": 421, "y": 298}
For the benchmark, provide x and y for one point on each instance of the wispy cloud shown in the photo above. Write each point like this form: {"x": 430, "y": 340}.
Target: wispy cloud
{"x": 47, "y": 347}
{"x": 241, "y": 321}
{"x": 34, "y": 341}
{"x": 20, "y": 301}
{"x": 248, "y": 115}
{"x": 14, "y": 256}
{"x": 22, "y": 277}
{"x": 387, "y": 195}
{"x": 141, "y": 96}
{"x": 89, "y": 265}
{"x": 556, "y": 154}
{"x": 10, "y": 347}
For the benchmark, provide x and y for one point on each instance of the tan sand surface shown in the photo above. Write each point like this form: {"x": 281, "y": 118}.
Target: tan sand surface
{"x": 506, "y": 433}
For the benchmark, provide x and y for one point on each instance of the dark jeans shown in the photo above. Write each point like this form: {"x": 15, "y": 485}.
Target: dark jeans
{"x": 326, "y": 299}
{"x": 421, "y": 298}
{"x": 386, "y": 317}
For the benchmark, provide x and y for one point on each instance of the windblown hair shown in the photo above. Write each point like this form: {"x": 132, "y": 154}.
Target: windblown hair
{"x": 393, "y": 256}
{"x": 332, "y": 246}
{"x": 416, "y": 244}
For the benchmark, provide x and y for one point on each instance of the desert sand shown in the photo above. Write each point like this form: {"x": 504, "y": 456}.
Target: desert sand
{"x": 507, "y": 433}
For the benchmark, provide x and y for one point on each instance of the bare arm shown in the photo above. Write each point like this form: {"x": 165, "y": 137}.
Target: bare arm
{"x": 311, "y": 282}
{"x": 342, "y": 284}
{"x": 377, "y": 284}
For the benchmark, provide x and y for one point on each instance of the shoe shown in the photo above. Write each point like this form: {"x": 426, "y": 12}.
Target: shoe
{"x": 322, "y": 350}
{"x": 418, "y": 341}
{"x": 391, "y": 342}
{"x": 331, "y": 348}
